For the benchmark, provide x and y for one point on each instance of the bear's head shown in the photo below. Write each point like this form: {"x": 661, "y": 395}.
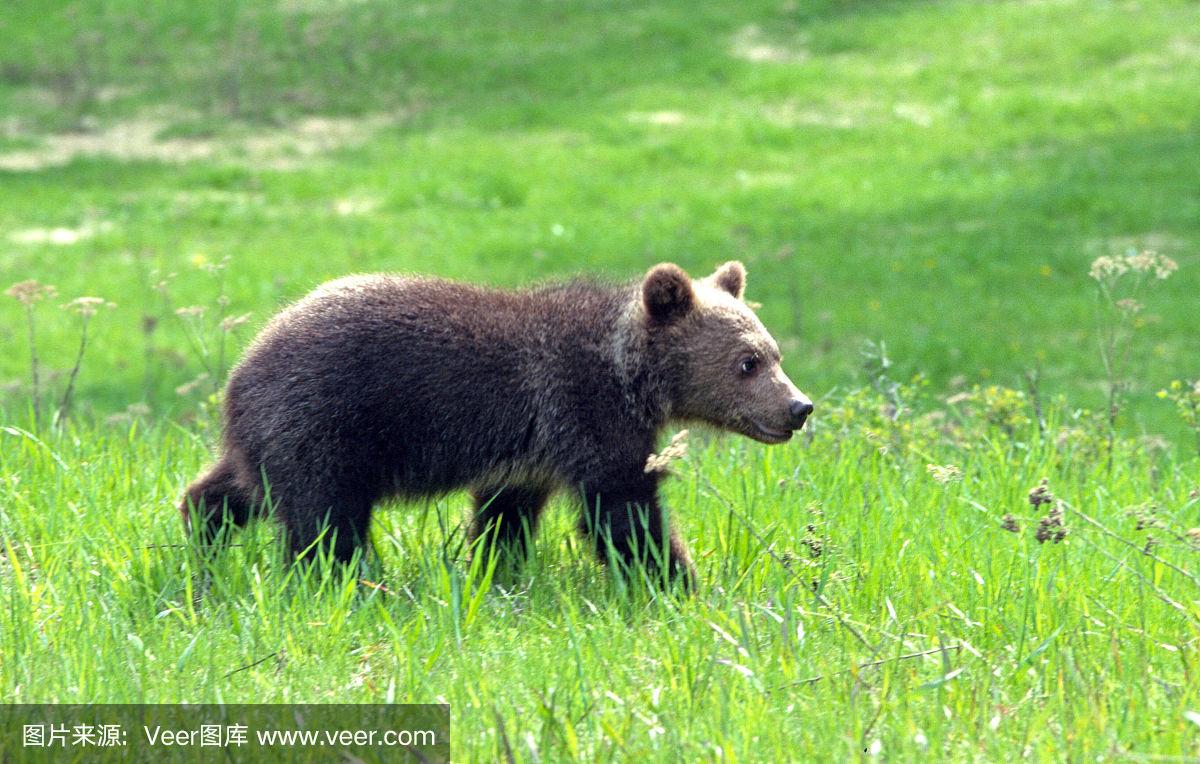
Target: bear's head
{"x": 722, "y": 364}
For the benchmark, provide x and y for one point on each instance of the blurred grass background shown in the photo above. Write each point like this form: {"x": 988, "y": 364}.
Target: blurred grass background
{"x": 936, "y": 175}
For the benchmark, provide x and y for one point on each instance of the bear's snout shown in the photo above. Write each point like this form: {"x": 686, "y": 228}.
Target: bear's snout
{"x": 799, "y": 410}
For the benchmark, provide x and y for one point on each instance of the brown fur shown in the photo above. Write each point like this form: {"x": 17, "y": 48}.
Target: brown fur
{"x": 380, "y": 386}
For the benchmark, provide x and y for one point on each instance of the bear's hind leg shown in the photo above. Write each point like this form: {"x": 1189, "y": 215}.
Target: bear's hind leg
{"x": 506, "y": 519}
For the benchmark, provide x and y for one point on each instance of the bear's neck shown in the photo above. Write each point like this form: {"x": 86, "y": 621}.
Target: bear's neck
{"x": 643, "y": 370}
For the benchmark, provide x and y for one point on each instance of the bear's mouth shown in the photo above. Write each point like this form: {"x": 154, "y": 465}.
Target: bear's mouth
{"x": 764, "y": 434}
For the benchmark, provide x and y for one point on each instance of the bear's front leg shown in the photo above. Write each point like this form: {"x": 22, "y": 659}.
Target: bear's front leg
{"x": 626, "y": 518}
{"x": 337, "y": 523}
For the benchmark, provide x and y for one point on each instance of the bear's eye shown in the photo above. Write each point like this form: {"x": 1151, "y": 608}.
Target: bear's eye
{"x": 749, "y": 365}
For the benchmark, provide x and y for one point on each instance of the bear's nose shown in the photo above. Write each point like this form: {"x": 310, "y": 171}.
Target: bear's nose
{"x": 800, "y": 409}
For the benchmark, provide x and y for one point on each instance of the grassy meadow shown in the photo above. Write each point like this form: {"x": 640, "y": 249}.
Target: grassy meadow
{"x": 919, "y": 191}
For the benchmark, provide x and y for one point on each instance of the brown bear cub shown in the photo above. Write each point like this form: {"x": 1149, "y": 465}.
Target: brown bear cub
{"x": 392, "y": 386}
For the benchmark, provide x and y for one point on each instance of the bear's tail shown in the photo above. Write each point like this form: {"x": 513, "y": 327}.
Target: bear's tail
{"x": 215, "y": 496}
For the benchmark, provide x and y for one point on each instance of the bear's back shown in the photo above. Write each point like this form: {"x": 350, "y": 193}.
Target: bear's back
{"x": 441, "y": 377}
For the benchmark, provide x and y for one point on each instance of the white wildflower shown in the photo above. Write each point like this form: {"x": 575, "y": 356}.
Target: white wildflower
{"x": 1105, "y": 267}
{"x": 88, "y": 306}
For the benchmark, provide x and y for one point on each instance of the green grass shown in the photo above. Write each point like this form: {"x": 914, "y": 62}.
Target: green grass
{"x": 934, "y": 175}
{"x": 1062, "y": 649}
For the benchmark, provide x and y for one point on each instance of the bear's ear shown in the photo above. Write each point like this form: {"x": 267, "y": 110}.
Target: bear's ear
{"x": 731, "y": 277}
{"x": 667, "y": 292}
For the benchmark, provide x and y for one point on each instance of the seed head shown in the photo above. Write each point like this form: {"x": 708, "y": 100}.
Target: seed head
{"x": 676, "y": 449}
{"x": 1050, "y": 527}
{"x": 229, "y": 324}
{"x": 815, "y": 547}
{"x": 944, "y": 473}
{"x": 188, "y": 388}
{"x": 1041, "y": 494}
{"x": 31, "y": 291}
